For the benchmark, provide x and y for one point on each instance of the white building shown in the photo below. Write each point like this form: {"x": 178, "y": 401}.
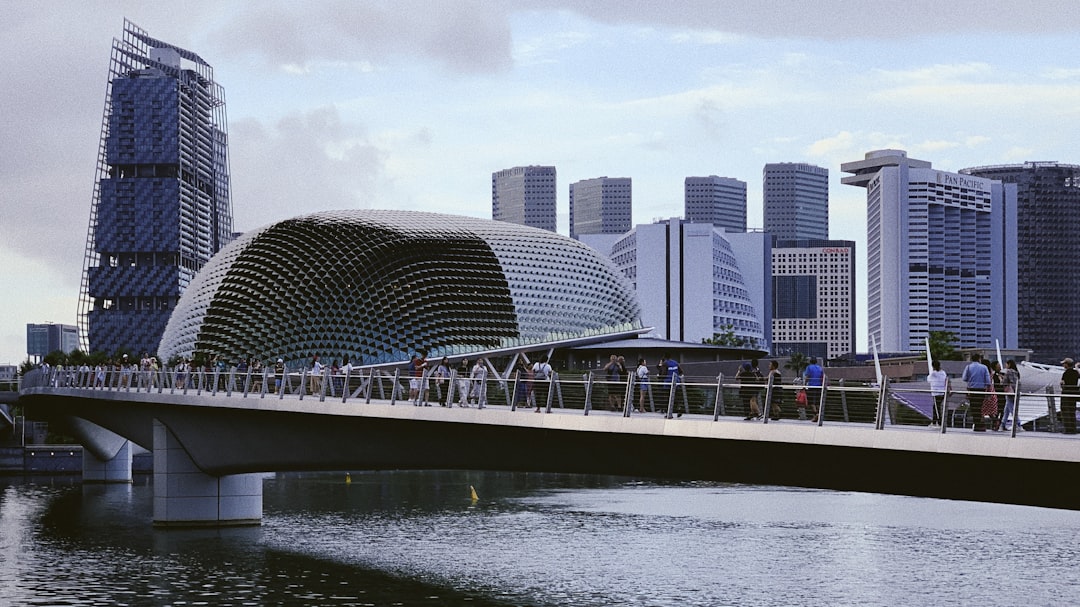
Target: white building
{"x": 940, "y": 253}
{"x": 683, "y": 296}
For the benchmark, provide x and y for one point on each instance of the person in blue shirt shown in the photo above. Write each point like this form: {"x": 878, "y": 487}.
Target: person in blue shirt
{"x": 813, "y": 377}
{"x": 977, "y": 377}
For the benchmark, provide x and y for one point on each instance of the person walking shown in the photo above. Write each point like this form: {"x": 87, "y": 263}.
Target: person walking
{"x": 748, "y": 388}
{"x": 1070, "y": 388}
{"x": 641, "y": 375}
{"x": 977, "y": 377}
{"x": 939, "y": 383}
{"x": 1012, "y": 385}
{"x": 813, "y": 379}
{"x": 776, "y": 397}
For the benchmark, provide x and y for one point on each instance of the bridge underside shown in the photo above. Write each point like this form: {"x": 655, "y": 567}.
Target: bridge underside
{"x": 309, "y": 436}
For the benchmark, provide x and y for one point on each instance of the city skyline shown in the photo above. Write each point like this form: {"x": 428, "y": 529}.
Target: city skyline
{"x": 361, "y": 105}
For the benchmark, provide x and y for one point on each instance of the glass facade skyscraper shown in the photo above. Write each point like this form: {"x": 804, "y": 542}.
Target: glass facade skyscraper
{"x": 161, "y": 198}
{"x": 1047, "y": 249}
{"x": 601, "y": 205}
{"x": 796, "y": 200}
{"x": 525, "y": 196}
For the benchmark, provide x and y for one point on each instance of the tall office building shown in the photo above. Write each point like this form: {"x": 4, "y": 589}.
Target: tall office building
{"x": 600, "y": 206}
{"x": 525, "y": 195}
{"x": 940, "y": 254}
{"x": 161, "y": 199}
{"x": 685, "y": 299}
{"x": 796, "y": 201}
{"x": 813, "y": 284}
{"x": 41, "y": 339}
{"x": 720, "y": 201}
{"x": 1047, "y": 198}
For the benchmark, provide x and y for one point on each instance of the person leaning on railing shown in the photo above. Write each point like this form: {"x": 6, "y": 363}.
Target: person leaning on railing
{"x": 1070, "y": 388}
{"x": 977, "y": 377}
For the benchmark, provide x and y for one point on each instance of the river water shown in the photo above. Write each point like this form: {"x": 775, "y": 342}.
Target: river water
{"x": 417, "y": 538}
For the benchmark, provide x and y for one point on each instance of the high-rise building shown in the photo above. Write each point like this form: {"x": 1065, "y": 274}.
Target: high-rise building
{"x": 600, "y": 206}
{"x": 525, "y": 195}
{"x": 1047, "y": 248}
{"x": 940, "y": 254}
{"x": 161, "y": 199}
{"x": 813, "y": 285}
{"x": 796, "y": 201}
{"x": 41, "y": 339}
{"x": 684, "y": 299}
{"x": 720, "y": 201}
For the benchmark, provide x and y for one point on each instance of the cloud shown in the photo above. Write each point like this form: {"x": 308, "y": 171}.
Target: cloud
{"x": 304, "y": 162}
{"x": 464, "y": 37}
{"x": 831, "y": 19}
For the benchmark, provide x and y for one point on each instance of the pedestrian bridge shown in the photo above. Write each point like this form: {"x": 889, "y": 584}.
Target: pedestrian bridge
{"x": 212, "y": 433}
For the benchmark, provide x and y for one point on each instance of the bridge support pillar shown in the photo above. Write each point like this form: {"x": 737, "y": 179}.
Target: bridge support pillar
{"x": 186, "y": 496}
{"x": 116, "y": 469}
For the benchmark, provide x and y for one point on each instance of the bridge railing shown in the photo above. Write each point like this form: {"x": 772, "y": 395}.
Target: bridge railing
{"x": 889, "y": 404}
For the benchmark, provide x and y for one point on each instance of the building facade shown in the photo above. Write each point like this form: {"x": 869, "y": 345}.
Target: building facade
{"x": 601, "y": 205}
{"x": 796, "y": 201}
{"x": 161, "y": 201}
{"x": 525, "y": 196}
{"x": 681, "y": 298}
{"x": 940, "y": 254}
{"x": 813, "y": 285}
{"x": 720, "y": 201}
{"x": 41, "y": 339}
{"x": 1048, "y": 285}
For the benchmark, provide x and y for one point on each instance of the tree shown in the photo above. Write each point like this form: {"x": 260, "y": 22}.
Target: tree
{"x": 727, "y": 338}
{"x": 797, "y": 361}
{"x": 941, "y": 345}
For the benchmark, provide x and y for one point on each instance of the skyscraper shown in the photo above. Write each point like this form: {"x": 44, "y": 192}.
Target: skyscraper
{"x": 525, "y": 195}
{"x": 796, "y": 201}
{"x": 939, "y": 254}
{"x": 1047, "y": 197}
{"x": 600, "y": 206}
{"x": 813, "y": 285}
{"x": 161, "y": 206}
{"x": 720, "y": 201}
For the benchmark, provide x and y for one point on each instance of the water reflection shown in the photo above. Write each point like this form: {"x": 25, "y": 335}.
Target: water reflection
{"x": 417, "y": 538}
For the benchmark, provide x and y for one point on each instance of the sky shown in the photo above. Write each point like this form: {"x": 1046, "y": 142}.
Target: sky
{"x": 412, "y": 104}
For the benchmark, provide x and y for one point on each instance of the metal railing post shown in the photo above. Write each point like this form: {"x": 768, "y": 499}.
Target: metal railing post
{"x": 588, "y": 391}
{"x": 672, "y": 386}
{"x": 393, "y": 387}
{"x": 1016, "y": 407}
{"x": 879, "y": 417}
{"x": 719, "y": 400}
{"x": 766, "y": 411}
{"x": 821, "y": 400}
{"x": 843, "y": 400}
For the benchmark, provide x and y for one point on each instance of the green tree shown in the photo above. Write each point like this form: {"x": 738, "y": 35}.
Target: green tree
{"x": 797, "y": 361}
{"x": 727, "y": 338}
{"x": 941, "y": 346}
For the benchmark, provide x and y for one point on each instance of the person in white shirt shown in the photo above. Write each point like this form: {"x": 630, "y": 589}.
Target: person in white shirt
{"x": 939, "y": 382}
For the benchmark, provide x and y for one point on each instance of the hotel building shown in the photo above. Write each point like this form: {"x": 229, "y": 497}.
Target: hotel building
{"x": 940, "y": 254}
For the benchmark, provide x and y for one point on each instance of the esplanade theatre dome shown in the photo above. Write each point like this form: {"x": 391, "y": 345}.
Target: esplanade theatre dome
{"x": 375, "y": 286}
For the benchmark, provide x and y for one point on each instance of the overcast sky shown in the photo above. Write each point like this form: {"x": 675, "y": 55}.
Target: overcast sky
{"x": 413, "y": 104}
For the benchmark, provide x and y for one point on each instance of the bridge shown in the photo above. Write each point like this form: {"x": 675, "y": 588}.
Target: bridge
{"x": 212, "y": 434}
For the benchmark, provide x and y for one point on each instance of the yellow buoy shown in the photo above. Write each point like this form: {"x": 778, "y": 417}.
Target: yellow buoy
{"x": 473, "y": 492}
{"x": 348, "y": 478}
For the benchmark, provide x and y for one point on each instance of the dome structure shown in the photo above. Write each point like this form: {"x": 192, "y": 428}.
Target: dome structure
{"x": 375, "y": 286}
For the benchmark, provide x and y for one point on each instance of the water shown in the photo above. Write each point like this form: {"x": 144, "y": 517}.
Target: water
{"x": 416, "y": 538}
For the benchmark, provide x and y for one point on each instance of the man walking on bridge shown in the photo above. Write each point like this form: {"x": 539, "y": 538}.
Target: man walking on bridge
{"x": 977, "y": 377}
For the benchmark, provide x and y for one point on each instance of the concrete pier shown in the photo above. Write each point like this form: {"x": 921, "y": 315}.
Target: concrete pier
{"x": 184, "y": 496}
